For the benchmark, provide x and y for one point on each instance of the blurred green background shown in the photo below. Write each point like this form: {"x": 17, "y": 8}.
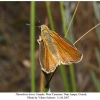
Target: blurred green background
{"x": 16, "y": 72}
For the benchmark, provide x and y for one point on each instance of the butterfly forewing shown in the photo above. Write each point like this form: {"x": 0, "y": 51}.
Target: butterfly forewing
{"x": 67, "y": 51}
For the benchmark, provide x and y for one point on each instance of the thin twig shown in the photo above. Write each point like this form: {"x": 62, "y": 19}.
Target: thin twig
{"x": 72, "y": 18}
{"x": 86, "y": 33}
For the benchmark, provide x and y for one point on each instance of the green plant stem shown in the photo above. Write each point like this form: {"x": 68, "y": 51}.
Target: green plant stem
{"x": 63, "y": 16}
{"x": 62, "y": 69}
{"x": 49, "y": 16}
{"x": 48, "y": 79}
{"x": 71, "y": 68}
{"x": 63, "y": 74}
{"x": 64, "y": 78}
{"x": 32, "y": 45}
{"x": 72, "y": 19}
{"x": 95, "y": 80}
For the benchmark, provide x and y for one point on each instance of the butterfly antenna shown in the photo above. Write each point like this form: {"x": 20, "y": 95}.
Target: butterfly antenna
{"x": 86, "y": 33}
{"x": 28, "y": 24}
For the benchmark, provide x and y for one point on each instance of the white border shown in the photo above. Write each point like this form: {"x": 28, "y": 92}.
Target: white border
{"x": 50, "y": 96}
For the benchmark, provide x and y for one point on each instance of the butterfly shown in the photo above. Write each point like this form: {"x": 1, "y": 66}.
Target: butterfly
{"x": 55, "y": 50}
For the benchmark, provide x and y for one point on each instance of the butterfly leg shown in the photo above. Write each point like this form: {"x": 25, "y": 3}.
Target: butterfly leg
{"x": 40, "y": 39}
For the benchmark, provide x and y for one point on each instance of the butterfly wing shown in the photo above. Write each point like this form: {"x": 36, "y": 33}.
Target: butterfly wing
{"x": 67, "y": 51}
{"x": 47, "y": 60}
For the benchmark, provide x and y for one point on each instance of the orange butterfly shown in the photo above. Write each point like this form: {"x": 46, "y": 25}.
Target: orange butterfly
{"x": 55, "y": 50}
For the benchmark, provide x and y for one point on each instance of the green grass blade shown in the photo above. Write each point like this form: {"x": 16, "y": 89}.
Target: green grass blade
{"x": 64, "y": 78}
{"x": 62, "y": 69}
{"x": 97, "y": 52}
{"x": 63, "y": 16}
{"x": 63, "y": 74}
{"x": 71, "y": 19}
{"x": 32, "y": 45}
{"x": 50, "y": 16}
{"x": 95, "y": 80}
{"x": 71, "y": 68}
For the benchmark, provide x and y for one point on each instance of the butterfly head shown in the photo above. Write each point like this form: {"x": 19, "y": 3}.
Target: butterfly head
{"x": 43, "y": 27}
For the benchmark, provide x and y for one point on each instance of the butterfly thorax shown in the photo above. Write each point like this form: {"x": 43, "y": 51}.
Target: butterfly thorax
{"x": 47, "y": 39}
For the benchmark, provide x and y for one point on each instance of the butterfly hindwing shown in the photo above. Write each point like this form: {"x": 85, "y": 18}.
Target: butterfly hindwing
{"x": 47, "y": 60}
